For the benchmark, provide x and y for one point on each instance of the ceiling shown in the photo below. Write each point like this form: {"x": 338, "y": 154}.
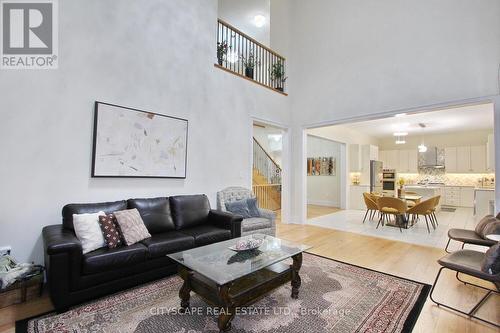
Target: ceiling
{"x": 241, "y": 14}
{"x": 474, "y": 117}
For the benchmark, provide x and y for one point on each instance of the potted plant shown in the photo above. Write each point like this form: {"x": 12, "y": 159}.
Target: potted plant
{"x": 400, "y": 189}
{"x": 249, "y": 63}
{"x": 277, "y": 73}
{"x": 222, "y": 49}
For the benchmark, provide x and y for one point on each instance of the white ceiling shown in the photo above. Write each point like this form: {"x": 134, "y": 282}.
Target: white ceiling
{"x": 475, "y": 117}
{"x": 241, "y": 14}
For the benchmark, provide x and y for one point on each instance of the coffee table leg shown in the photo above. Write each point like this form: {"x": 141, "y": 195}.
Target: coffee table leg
{"x": 185, "y": 291}
{"x": 228, "y": 312}
{"x": 296, "y": 282}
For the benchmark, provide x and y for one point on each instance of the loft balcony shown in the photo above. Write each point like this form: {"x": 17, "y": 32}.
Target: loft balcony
{"x": 243, "y": 56}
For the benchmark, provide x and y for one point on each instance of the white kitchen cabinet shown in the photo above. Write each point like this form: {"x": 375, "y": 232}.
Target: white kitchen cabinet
{"x": 467, "y": 197}
{"x": 356, "y": 200}
{"x": 354, "y": 158}
{"x": 451, "y": 196}
{"x": 392, "y": 159}
{"x": 407, "y": 161}
{"x": 450, "y": 159}
{"x": 478, "y": 159}
{"x": 463, "y": 159}
{"x": 482, "y": 198}
{"x": 490, "y": 154}
{"x": 368, "y": 153}
{"x": 403, "y": 165}
{"x": 382, "y": 157}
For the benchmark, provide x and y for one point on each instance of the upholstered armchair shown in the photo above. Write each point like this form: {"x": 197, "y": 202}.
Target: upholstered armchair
{"x": 265, "y": 224}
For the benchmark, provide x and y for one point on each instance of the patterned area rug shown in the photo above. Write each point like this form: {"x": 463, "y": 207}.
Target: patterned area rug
{"x": 334, "y": 297}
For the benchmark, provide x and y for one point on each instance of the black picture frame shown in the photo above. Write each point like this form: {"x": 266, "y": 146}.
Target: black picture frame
{"x": 95, "y": 134}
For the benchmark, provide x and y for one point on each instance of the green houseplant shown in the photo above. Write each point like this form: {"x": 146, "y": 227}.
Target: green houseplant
{"x": 222, "y": 49}
{"x": 277, "y": 73}
{"x": 249, "y": 63}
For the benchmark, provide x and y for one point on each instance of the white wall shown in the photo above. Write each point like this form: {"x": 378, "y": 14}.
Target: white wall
{"x": 324, "y": 190}
{"x": 272, "y": 147}
{"x": 362, "y": 58}
{"x": 155, "y": 55}
{"x": 241, "y": 14}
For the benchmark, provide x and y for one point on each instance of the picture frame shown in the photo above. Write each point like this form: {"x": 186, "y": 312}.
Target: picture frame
{"x": 133, "y": 143}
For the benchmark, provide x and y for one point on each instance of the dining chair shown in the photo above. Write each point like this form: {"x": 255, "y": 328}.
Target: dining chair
{"x": 410, "y": 203}
{"x": 391, "y": 206}
{"x": 423, "y": 208}
{"x": 371, "y": 205}
{"x": 437, "y": 198}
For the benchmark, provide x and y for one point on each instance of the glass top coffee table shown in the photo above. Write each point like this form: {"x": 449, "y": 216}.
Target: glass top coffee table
{"x": 228, "y": 279}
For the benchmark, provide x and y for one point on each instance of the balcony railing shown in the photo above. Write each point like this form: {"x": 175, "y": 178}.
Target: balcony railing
{"x": 242, "y": 55}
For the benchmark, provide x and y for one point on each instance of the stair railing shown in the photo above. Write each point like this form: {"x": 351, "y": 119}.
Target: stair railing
{"x": 265, "y": 164}
{"x": 268, "y": 195}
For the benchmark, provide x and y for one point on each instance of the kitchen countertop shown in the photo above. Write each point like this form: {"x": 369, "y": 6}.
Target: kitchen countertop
{"x": 484, "y": 189}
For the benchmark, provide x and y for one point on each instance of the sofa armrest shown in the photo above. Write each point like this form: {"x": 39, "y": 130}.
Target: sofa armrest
{"x": 57, "y": 239}
{"x": 226, "y": 220}
{"x": 268, "y": 214}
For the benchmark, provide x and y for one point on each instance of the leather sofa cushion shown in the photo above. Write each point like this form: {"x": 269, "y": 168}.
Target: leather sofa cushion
{"x": 155, "y": 213}
{"x": 189, "y": 210}
{"x": 108, "y": 259}
{"x": 168, "y": 242}
{"x": 207, "y": 234}
{"x": 107, "y": 207}
{"x": 255, "y": 223}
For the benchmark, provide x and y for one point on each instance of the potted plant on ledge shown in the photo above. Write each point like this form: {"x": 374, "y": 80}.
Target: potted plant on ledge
{"x": 277, "y": 73}
{"x": 249, "y": 63}
{"x": 222, "y": 49}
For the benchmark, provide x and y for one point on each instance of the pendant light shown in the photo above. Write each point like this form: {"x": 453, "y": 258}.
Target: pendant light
{"x": 422, "y": 148}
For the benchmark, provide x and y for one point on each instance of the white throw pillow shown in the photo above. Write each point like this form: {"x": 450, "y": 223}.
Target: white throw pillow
{"x": 88, "y": 231}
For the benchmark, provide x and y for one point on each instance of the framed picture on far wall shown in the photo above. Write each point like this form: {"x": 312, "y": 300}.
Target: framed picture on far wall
{"x": 139, "y": 144}
{"x": 321, "y": 166}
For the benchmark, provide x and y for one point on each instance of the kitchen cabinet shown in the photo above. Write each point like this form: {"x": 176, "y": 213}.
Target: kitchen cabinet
{"x": 482, "y": 199}
{"x": 490, "y": 154}
{"x": 354, "y": 158}
{"x": 450, "y": 159}
{"x": 368, "y": 153}
{"x": 478, "y": 159}
{"x": 458, "y": 196}
{"x": 467, "y": 197}
{"x": 356, "y": 200}
{"x": 463, "y": 159}
{"x": 404, "y": 161}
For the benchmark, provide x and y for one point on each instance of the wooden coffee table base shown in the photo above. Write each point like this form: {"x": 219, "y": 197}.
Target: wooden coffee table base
{"x": 241, "y": 292}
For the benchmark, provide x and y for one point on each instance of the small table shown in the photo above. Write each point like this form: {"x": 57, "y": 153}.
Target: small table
{"x": 412, "y": 197}
{"x": 493, "y": 237}
{"x": 229, "y": 279}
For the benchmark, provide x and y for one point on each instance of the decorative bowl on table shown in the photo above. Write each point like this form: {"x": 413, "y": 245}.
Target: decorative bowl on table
{"x": 246, "y": 245}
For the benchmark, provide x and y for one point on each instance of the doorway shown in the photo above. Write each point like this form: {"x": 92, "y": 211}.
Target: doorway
{"x": 267, "y": 165}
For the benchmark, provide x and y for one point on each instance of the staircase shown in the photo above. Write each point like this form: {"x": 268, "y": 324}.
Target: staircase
{"x": 266, "y": 178}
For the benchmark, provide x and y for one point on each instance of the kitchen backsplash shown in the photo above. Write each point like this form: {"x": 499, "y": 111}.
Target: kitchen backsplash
{"x": 432, "y": 175}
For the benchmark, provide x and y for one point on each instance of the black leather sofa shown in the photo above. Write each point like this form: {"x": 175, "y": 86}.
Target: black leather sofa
{"x": 175, "y": 224}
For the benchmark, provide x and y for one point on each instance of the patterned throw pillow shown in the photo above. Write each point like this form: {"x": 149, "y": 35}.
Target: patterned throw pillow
{"x": 491, "y": 261}
{"x": 239, "y": 207}
{"x": 110, "y": 230}
{"x": 132, "y": 226}
{"x": 253, "y": 207}
{"x": 483, "y": 223}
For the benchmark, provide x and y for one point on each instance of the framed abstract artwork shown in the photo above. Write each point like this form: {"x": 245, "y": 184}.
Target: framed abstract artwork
{"x": 139, "y": 144}
{"x": 321, "y": 166}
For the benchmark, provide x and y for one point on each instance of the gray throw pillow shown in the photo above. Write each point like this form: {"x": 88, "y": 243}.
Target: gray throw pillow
{"x": 492, "y": 228}
{"x": 491, "y": 261}
{"x": 239, "y": 207}
{"x": 483, "y": 223}
{"x": 253, "y": 207}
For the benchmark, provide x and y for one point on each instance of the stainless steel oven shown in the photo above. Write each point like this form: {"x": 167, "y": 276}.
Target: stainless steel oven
{"x": 389, "y": 181}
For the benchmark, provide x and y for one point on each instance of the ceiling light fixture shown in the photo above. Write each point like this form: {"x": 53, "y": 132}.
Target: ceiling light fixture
{"x": 401, "y": 134}
{"x": 422, "y": 148}
{"x": 400, "y": 115}
{"x": 400, "y": 141}
{"x": 259, "y": 21}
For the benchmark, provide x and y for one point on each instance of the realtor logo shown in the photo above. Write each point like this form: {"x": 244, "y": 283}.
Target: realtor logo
{"x": 29, "y": 34}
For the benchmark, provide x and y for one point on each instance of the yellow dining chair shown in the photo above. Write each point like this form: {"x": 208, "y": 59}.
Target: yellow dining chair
{"x": 423, "y": 208}
{"x": 371, "y": 205}
{"x": 391, "y": 206}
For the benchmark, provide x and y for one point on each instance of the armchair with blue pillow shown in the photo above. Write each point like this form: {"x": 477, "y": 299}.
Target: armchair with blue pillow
{"x": 241, "y": 201}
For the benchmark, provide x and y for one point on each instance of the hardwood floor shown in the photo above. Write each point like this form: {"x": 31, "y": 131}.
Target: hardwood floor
{"x": 316, "y": 211}
{"x": 414, "y": 262}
